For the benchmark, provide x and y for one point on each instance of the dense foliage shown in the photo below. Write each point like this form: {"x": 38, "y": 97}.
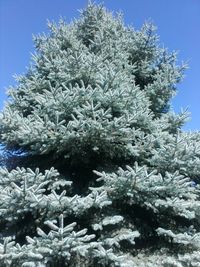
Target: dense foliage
{"x": 98, "y": 170}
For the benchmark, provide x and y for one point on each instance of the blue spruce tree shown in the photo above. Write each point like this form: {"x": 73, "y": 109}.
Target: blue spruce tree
{"x": 98, "y": 171}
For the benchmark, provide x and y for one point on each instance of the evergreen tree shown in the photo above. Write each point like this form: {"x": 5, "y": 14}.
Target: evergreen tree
{"x": 99, "y": 172}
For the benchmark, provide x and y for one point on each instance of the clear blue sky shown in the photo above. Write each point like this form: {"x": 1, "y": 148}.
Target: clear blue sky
{"x": 178, "y": 23}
